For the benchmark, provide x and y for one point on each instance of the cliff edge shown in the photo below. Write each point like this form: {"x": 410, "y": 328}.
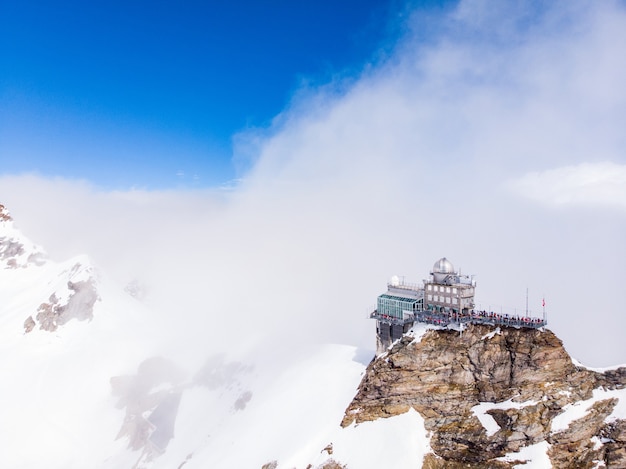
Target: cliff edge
{"x": 488, "y": 397}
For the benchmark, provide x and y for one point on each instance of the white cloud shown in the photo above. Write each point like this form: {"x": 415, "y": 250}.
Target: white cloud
{"x": 356, "y": 183}
{"x": 585, "y": 185}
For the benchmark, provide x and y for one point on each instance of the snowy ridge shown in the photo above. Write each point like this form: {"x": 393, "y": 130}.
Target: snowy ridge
{"x": 598, "y": 369}
{"x": 46, "y": 296}
{"x": 94, "y": 392}
{"x": 403, "y": 436}
{"x": 107, "y": 391}
{"x": 61, "y": 412}
{"x": 16, "y": 251}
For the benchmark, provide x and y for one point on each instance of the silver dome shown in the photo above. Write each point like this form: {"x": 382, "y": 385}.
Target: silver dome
{"x": 443, "y": 266}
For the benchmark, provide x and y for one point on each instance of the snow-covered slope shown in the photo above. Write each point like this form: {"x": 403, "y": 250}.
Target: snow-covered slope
{"x": 91, "y": 380}
{"x": 85, "y": 384}
{"x": 58, "y": 409}
{"x": 16, "y": 251}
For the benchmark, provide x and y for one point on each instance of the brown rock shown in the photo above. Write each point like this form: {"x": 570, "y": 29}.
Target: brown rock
{"x": 29, "y": 324}
{"x": 446, "y": 373}
{"x": 331, "y": 464}
{"x": 51, "y": 315}
{"x": 4, "y": 214}
{"x": 431, "y": 461}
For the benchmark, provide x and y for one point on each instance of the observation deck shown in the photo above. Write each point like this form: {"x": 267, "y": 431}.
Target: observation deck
{"x": 474, "y": 317}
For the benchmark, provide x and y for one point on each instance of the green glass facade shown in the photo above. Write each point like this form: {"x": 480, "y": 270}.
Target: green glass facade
{"x": 393, "y": 306}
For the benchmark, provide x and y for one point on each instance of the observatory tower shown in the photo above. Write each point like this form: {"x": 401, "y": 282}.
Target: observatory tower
{"x": 447, "y": 291}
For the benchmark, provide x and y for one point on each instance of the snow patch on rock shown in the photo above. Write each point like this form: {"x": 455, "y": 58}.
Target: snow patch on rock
{"x": 578, "y": 410}
{"x": 530, "y": 456}
{"x": 481, "y": 411}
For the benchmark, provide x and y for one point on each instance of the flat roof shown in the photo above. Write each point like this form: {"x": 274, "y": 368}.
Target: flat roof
{"x": 398, "y": 298}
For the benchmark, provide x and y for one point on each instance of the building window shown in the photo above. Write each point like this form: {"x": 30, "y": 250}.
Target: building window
{"x": 430, "y": 287}
{"x": 447, "y": 300}
{"x": 455, "y": 300}
{"x": 447, "y": 289}
{"x": 454, "y": 290}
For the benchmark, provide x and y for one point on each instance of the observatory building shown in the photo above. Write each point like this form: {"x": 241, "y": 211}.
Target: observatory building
{"x": 448, "y": 291}
{"x": 445, "y": 298}
{"x": 445, "y": 293}
{"x": 396, "y": 311}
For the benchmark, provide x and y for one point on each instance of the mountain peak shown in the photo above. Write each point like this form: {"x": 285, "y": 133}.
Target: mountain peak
{"x": 487, "y": 394}
{"x": 69, "y": 291}
{"x": 16, "y": 251}
{"x": 4, "y": 214}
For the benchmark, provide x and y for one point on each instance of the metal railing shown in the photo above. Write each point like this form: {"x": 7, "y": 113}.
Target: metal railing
{"x": 474, "y": 317}
{"x": 392, "y": 319}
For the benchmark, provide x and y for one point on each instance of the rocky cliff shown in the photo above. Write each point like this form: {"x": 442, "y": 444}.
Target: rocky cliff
{"x": 489, "y": 397}
{"x": 15, "y": 250}
{"x": 67, "y": 291}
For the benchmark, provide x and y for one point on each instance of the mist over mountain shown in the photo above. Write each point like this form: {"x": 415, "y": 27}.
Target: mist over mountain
{"x": 171, "y": 328}
{"x": 94, "y": 383}
{"x": 498, "y": 143}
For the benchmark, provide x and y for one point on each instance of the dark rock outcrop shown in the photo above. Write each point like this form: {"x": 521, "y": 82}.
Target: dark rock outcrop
{"x": 445, "y": 374}
{"x": 15, "y": 250}
{"x": 80, "y": 304}
{"x": 4, "y": 214}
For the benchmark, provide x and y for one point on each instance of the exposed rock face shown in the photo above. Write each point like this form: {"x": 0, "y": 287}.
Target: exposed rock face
{"x": 13, "y": 254}
{"x": 70, "y": 291}
{"x": 151, "y": 398}
{"x": 29, "y": 324}
{"x": 73, "y": 297}
{"x": 4, "y": 214}
{"x": 79, "y": 306}
{"x": 15, "y": 250}
{"x": 446, "y": 374}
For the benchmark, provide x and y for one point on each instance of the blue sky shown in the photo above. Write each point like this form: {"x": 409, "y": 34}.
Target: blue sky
{"x": 490, "y": 132}
{"x": 150, "y": 94}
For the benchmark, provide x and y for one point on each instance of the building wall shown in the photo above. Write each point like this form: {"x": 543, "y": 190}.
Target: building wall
{"x": 456, "y": 297}
{"x": 387, "y": 334}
